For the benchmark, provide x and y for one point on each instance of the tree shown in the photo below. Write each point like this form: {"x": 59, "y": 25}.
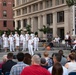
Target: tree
{"x": 71, "y": 2}
{"x": 45, "y": 29}
{"x": 28, "y": 29}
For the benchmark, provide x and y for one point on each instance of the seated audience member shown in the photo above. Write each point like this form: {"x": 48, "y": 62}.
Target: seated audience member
{"x": 35, "y": 68}
{"x": 57, "y": 39}
{"x": 74, "y": 44}
{"x": 6, "y": 67}
{"x": 57, "y": 69}
{"x": 48, "y": 59}
{"x": 63, "y": 59}
{"x": 17, "y": 69}
{"x": 57, "y": 59}
{"x": 71, "y": 66}
{"x": 43, "y": 63}
{"x": 4, "y": 60}
{"x": 27, "y": 58}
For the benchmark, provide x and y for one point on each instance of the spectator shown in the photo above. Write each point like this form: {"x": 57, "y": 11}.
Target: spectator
{"x": 8, "y": 65}
{"x": 4, "y": 60}
{"x": 17, "y": 69}
{"x": 71, "y": 66}
{"x": 43, "y": 63}
{"x": 48, "y": 59}
{"x": 35, "y": 68}
{"x": 57, "y": 69}
{"x": 63, "y": 59}
{"x": 27, "y": 58}
{"x": 57, "y": 59}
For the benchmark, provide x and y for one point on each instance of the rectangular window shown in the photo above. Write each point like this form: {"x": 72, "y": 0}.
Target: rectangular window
{"x": 24, "y": 10}
{"x": 19, "y": 24}
{"x": 4, "y": 3}
{"x": 62, "y": 1}
{"x": 60, "y": 16}
{"x": 13, "y": 24}
{"x": 49, "y": 18}
{"x": 4, "y": 23}
{"x": 56, "y": 2}
{"x": 4, "y": 13}
{"x": 24, "y": 22}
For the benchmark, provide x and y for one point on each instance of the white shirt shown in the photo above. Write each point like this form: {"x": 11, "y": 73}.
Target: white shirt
{"x": 66, "y": 36}
{"x": 11, "y": 40}
{"x": 36, "y": 40}
{"x": 65, "y": 71}
{"x": 27, "y": 36}
{"x": 32, "y": 36}
{"x": 72, "y": 66}
{"x": 30, "y": 42}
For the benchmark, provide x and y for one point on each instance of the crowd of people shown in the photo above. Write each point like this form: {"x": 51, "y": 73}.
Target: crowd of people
{"x": 25, "y": 64}
{"x": 23, "y": 41}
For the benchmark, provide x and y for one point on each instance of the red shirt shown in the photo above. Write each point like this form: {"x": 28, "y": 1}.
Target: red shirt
{"x": 35, "y": 70}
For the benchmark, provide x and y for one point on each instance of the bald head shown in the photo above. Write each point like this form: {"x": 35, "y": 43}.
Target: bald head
{"x": 35, "y": 59}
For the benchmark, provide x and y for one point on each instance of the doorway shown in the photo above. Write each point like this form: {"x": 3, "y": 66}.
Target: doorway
{"x": 61, "y": 33}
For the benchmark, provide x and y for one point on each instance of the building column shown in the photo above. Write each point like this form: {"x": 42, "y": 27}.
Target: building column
{"x": 21, "y": 11}
{"x": 31, "y": 8}
{"x": 44, "y": 20}
{"x": 15, "y": 1}
{"x": 16, "y": 24}
{"x": 54, "y": 24}
{"x": 21, "y": 24}
{"x": 28, "y": 21}
{"x": 44, "y": 5}
{"x": 27, "y": 9}
{"x": 38, "y": 6}
{"x": 32, "y": 24}
{"x": 39, "y": 26}
{"x": 66, "y": 20}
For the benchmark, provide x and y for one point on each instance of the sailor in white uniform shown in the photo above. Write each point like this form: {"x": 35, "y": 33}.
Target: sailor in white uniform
{"x": 30, "y": 46}
{"x": 27, "y": 38}
{"x": 24, "y": 43}
{"x": 5, "y": 43}
{"x": 17, "y": 42}
{"x": 11, "y": 43}
{"x": 36, "y": 41}
{"x": 32, "y": 35}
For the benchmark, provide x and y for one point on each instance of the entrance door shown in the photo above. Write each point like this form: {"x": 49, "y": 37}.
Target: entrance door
{"x": 61, "y": 33}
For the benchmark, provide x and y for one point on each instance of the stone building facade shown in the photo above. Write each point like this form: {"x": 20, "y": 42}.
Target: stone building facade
{"x": 53, "y": 13}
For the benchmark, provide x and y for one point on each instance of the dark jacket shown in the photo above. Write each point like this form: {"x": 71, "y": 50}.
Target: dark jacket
{"x": 7, "y": 66}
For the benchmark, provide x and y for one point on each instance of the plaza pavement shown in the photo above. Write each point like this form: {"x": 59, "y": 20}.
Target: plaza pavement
{"x": 66, "y": 52}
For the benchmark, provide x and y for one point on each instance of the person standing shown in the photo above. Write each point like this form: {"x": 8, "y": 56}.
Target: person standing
{"x": 6, "y": 67}
{"x": 11, "y": 42}
{"x": 30, "y": 46}
{"x": 27, "y": 38}
{"x": 36, "y": 41}
{"x": 17, "y": 42}
{"x": 17, "y": 69}
{"x": 35, "y": 68}
{"x": 32, "y": 35}
{"x": 24, "y": 42}
{"x": 5, "y": 43}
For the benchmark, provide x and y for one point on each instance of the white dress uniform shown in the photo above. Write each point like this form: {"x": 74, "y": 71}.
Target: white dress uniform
{"x": 24, "y": 43}
{"x": 11, "y": 42}
{"x": 30, "y": 46}
{"x": 36, "y": 41}
{"x": 17, "y": 41}
{"x": 5, "y": 42}
{"x": 32, "y": 36}
{"x": 27, "y": 38}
